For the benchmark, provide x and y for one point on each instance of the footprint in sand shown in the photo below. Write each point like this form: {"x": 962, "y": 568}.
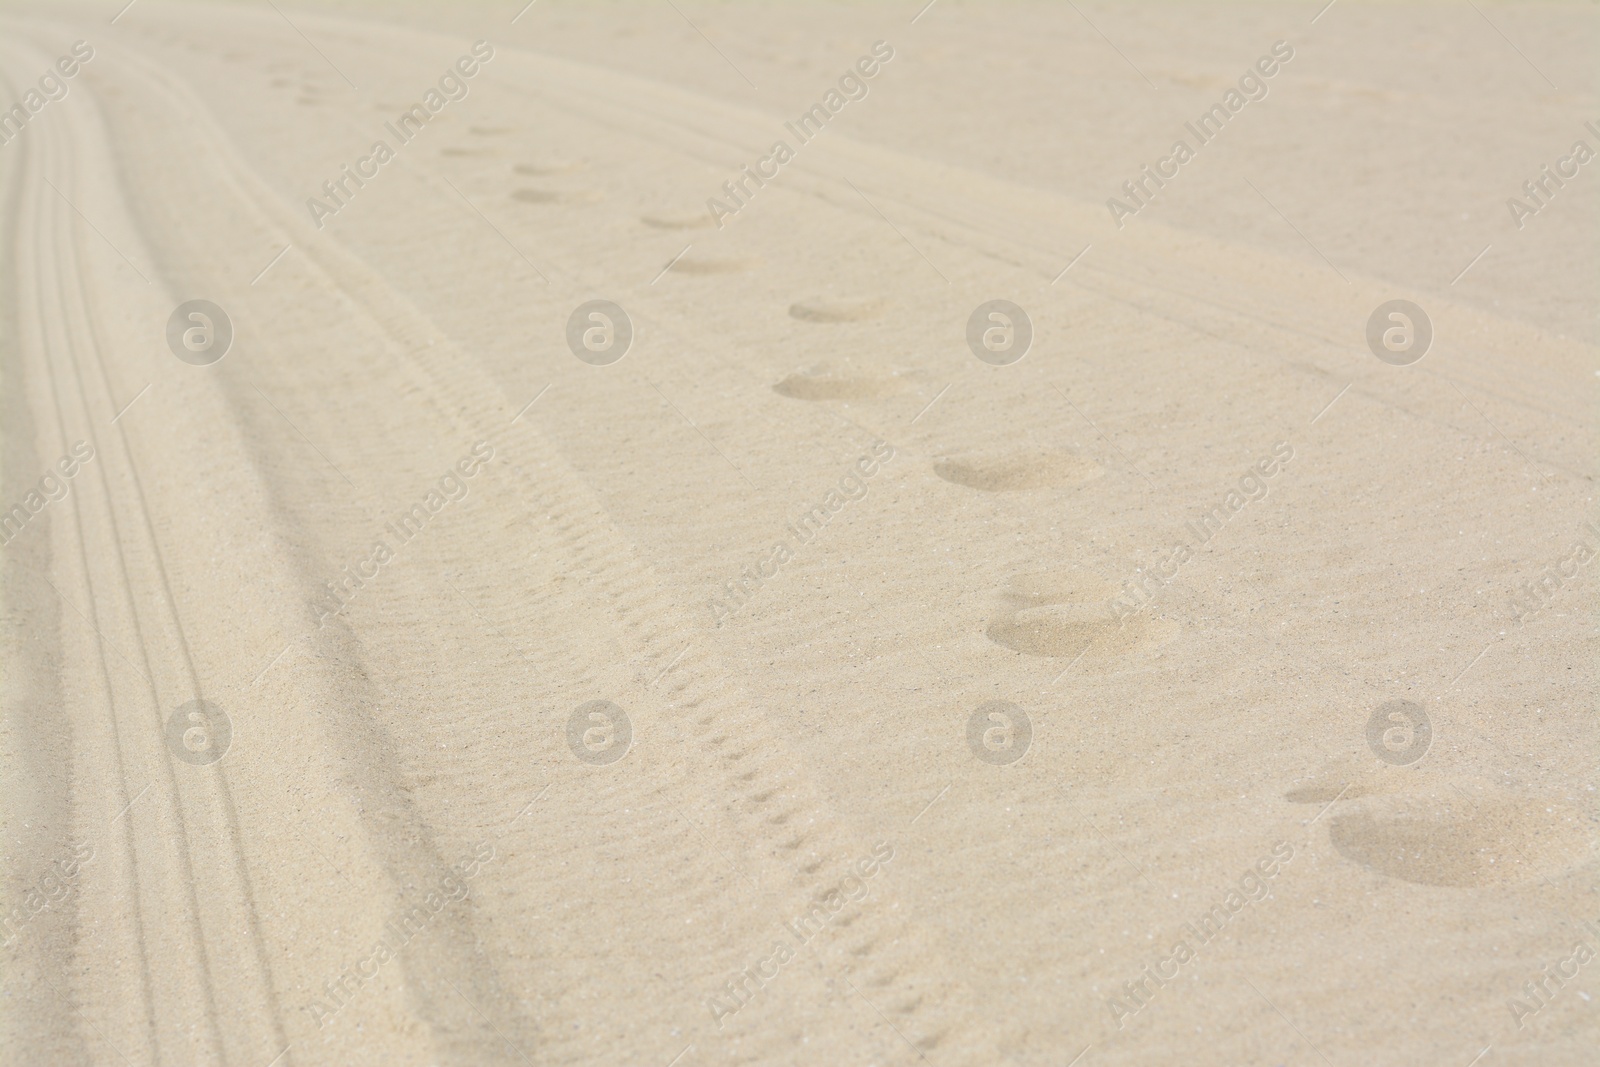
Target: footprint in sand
{"x": 1344, "y": 782}
{"x": 1422, "y": 828}
{"x": 710, "y": 265}
{"x": 558, "y": 196}
{"x": 678, "y": 222}
{"x": 836, "y": 382}
{"x": 837, "y": 310}
{"x": 1066, "y": 617}
{"x": 1028, "y": 469}
{"x": 1455, "y": 840}
{"x": 556, "y": 166}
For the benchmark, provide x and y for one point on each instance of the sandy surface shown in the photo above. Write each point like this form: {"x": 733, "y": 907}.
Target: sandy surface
{"x": 393, "y": 675}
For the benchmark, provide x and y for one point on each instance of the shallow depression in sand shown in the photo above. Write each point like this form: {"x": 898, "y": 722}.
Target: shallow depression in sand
{"x": 839, "y": 385}
{"x": 1065, "y": 617}
{"x": 558, "y": 196}
{"x": 713, "y": 265}
{"x": 1018, "y": 470}
{"x": 1462, "y": 844}
{"x": 1063, "y": 632}
{"x": 554, "y": 166}
{"x": 678, "y": 222}
{"x": 837, "y": 310}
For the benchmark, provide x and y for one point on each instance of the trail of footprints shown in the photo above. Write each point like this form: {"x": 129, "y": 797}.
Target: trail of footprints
{"x": 1430, "y": 835}
{"x": 1050, "y": 615}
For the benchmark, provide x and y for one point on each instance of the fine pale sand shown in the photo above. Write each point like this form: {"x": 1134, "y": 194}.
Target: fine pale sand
{"x": 392, "y": 675}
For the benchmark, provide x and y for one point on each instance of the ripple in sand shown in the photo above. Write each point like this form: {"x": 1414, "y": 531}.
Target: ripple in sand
{"x": 490, "y": 131}
{"x": 1037, "y": 469}
{"x": 1455, "y": 842}
{"x": 558, "y": 196}
{"x": 467, "y": 152}
{"x": 837, "y": 311}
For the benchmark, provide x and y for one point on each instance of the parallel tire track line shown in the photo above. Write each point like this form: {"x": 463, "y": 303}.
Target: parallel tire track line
{"x": 59, "y": 253}
{"x": 790, "y": 829}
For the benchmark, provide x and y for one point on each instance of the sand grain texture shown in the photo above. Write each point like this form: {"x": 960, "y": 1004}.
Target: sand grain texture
{"x": 822, "y": 556}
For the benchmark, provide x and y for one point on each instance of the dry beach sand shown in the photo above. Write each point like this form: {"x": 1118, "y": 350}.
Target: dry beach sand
{"x": 798, "y": 657}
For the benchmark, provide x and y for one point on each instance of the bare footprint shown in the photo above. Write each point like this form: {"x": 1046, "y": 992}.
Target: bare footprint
{"x": 1344, "y": 778}
{"x": 678, "y": 222}
{"x": 1032, "y": 469}
{"x": 837, "y": 311}
{"x": 559, "y": 166}
{"x": 1449, "y": 838}
{"x": 824, "y": 382}
{"x": 708, "y": 265}
{"x": 1066, "y": 617}
{"x": 558, "y": 196}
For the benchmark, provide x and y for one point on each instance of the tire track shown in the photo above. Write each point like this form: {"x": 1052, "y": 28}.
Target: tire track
{"x": 791, "y": 840}
{"x": 27, "y": 252}
{"x": 56, "y": 257}
{"x": 172, "y": 820}
{"x": 244, "y": 885}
